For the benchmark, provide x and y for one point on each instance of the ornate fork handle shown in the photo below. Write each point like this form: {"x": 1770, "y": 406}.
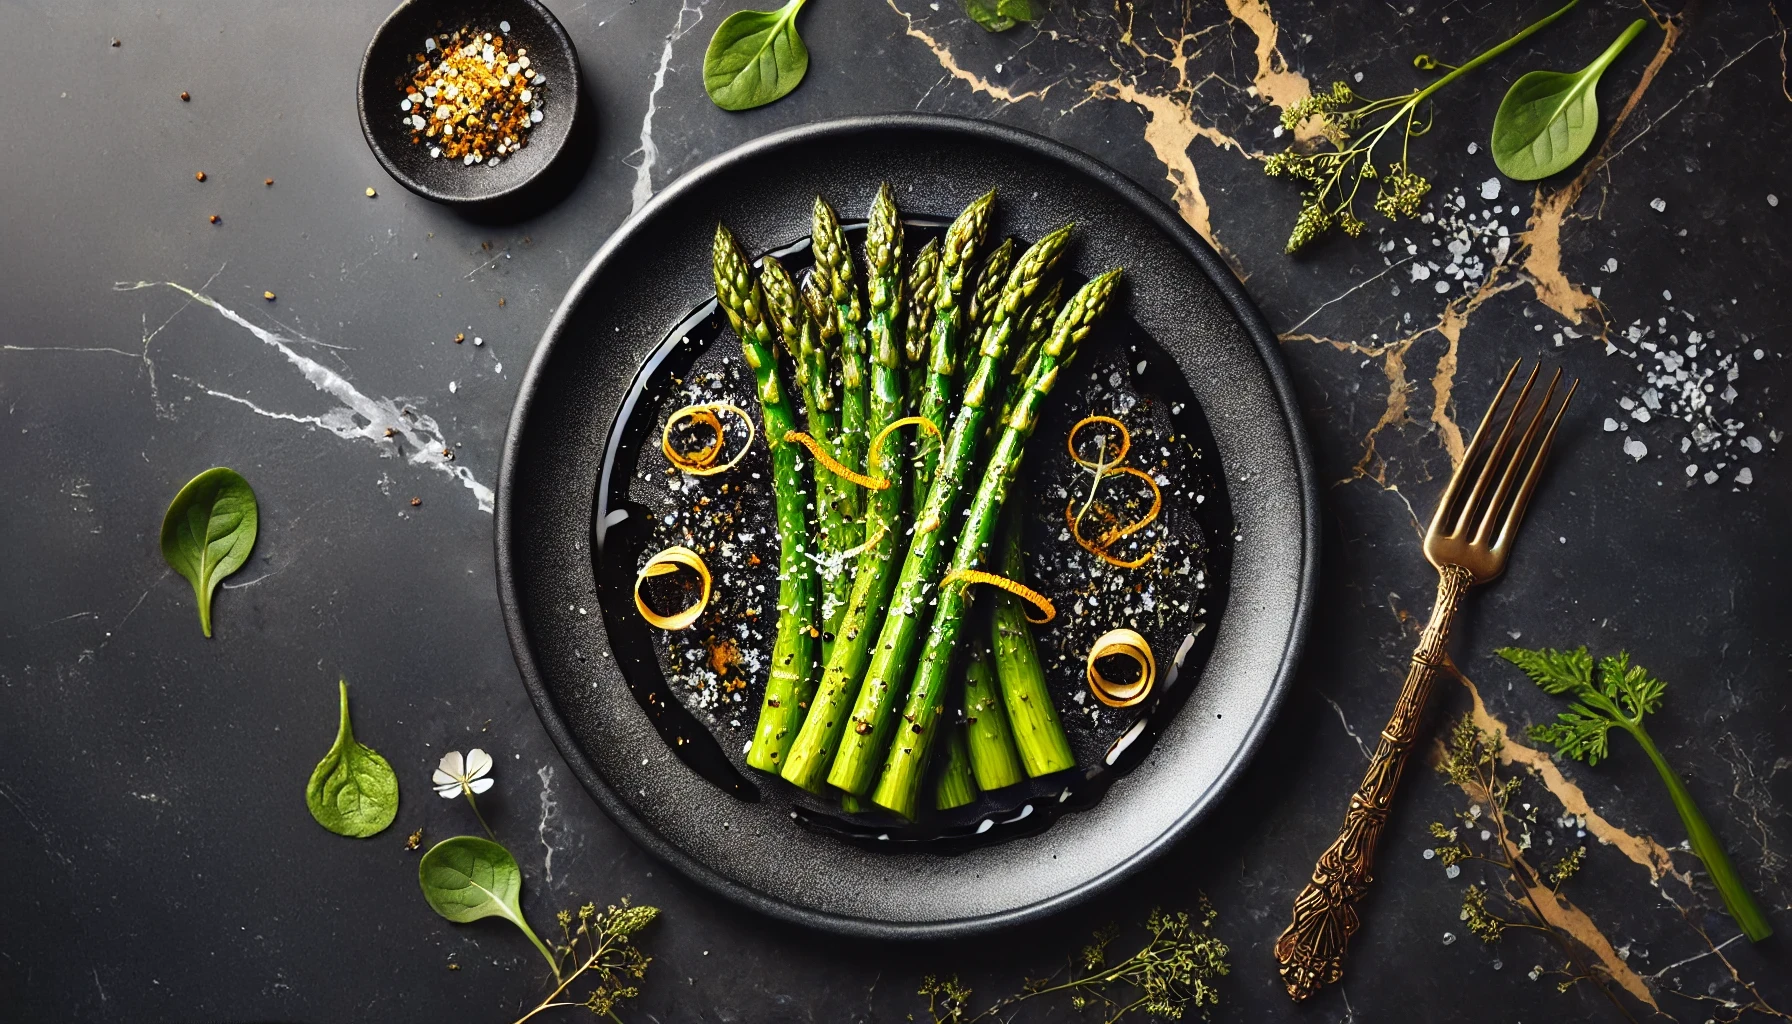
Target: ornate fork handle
{"x": 1311, "y": 950}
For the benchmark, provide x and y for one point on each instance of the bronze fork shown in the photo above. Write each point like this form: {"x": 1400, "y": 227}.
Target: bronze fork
{"x": 1468, "y": 542}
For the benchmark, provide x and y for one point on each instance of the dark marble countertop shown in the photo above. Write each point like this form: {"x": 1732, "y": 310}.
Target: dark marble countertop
{"x": 164, "y": 866}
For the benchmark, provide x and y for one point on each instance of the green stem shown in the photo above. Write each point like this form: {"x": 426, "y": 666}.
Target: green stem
{"x": 553, "y": 963}
{"x": 955, "y": 787}
{"x": 1488, "y": 55}
{"x": 1611, "y": 53}
{"x": 1038, "y": 734}
{"x": 1705, "y": 844}
{"x": 489, "y": 834}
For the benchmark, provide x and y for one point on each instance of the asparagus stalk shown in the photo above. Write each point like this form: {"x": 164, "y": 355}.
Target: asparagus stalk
{"x": 813, "y": 750}
{"x": 963, "y": 239}
{"x": 791, "y": 679}
{"x": 919, "y": 289}
{"x": 956, "y": 785}
{"x": 842, "y": 528}
{"x": 802, "y": 341}
{"x": 1039, "y": 328}
{"x": 834, "y": 274}
{"x": 906, "y": 762}
{"x": 994, "y": 761}
{"x": 861, "y": 749}
{"x": 1025, "y": 701}
{"x": 992, "y": 276}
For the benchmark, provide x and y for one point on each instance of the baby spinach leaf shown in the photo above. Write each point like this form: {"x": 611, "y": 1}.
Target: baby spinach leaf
{"x": 755, "y": 57}
{"x": 208, "y": 531}
{"x": 1001, "y": 15}
{"x": 353, "y": 791}
{"x": 468, "y": 878}
{"x": 1549, "y": 118}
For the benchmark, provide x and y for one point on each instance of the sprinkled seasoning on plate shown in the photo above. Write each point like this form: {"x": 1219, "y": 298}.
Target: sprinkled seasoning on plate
{"x": 470, "y": 99}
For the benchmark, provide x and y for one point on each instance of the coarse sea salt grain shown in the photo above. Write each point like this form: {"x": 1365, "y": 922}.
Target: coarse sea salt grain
{"x": 1490, "y": 189}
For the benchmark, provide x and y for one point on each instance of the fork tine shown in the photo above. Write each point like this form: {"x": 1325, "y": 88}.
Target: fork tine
{"x": 1491, "y": 466}
{"x": 1516, "y": 516}
{"x": 1514, "y": 463}
{"x": 1454, "y": 487}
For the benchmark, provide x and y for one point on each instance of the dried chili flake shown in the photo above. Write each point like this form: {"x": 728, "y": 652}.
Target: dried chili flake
{"x": 471, "y": 99}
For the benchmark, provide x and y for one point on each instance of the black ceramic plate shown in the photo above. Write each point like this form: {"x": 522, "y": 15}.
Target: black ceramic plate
{"x": 598, "y": 385}
{"x": 386, "y": 69}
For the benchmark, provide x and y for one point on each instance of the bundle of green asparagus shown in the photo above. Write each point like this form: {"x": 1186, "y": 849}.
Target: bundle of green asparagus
{"x": 884, "y": 537}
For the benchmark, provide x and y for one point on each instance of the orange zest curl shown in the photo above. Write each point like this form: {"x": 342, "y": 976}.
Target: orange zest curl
{"x": 834, "y": 466}
{"x": 1020, "y": 590}
{"x": 1127, "y": 643}
{"x": 1119, "y": 456}
{"x": 702, "y": 462}
{"x": 1099, "y": 545}
{"x": 668, "y": 561}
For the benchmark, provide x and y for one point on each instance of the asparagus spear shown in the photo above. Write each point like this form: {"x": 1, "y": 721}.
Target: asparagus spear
{"x": 791, "y": 679}
{"x": 1039, "y": 328}
{"x": 862, "y": 747}
{"x": 992, "y": 276}
{"x": 956, "y": 785}
{"x": 963, "y": 239}
{"x": 809, "y": 756}
{"x": 834, "y": 274}
{"x": 840, "y": 512}
{"x": 802, "y": 341}
{"x": 1025, "y": 700}
{"x": 919, "y": 289}
{"x": 994, "y": 760}
{"x": 906, "y": 761}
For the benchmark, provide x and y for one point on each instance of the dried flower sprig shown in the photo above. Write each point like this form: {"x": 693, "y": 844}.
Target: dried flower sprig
{"x": 1471, "y": 761}
{"x": 1333, "y": 178}
{"x": 605, "y": 942}
{"x": 1172, "y": 972}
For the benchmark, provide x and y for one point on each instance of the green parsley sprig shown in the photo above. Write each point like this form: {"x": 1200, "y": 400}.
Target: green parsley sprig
{"x": 1334, "y": 177}
{"x": 1614, "y": 694}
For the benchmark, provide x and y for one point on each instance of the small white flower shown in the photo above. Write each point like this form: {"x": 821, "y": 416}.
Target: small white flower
{"x": 455, "y": 776}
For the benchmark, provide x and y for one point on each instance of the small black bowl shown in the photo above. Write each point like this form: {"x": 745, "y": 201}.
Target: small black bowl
{"x": 386, "y": 70}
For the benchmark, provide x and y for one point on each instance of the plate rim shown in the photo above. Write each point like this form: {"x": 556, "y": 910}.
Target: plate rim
{"x": 1281, "y": 385}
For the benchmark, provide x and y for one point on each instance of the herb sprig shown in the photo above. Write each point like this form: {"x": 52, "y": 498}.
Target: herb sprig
{"x": 1172, "y": 972}
{"x": 1334, "y": 177}
{"x": 1619, "y": 695}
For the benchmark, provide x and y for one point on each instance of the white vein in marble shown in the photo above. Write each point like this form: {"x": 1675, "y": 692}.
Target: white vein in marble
{"x": 649, "y": 150}
{"x": 416, "y": 437}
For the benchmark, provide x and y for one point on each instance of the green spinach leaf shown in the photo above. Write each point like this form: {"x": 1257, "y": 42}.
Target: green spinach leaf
{"x": 1549, "y": 118}
{"x": 468, "y": 878}
{"x": 1001, "y": 15}
{"x": 208, "y": 531}
{"x": 755, "y": 57}
{"x": 353, "y": 791}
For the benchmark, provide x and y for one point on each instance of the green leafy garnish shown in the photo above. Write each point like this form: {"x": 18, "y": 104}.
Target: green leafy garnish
{"x": 468, "y": 878}
{"x": 1617, "y": 694}
{"x": 1001, "y": 15}
{"x": 208, "y": 531}
{"x": 755, "y": 57}
{"x": 1333, "y": 178}
{"x": 353, "y": 791}
{"x": 1549, "y": 118}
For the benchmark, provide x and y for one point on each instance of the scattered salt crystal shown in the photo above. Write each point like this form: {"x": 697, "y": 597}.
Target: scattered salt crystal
{"x": 503, "y": 26}
{"x": 1449, "y": 937}
{"x": 1428, "y": 854}
{"x": 1635, "y": 449}
{"x": 1610, "y": 424}
{"x": 453, "y": 387}
{"x": 1473, "y": 148}
{"x": 1490, "y": 189}
{"x": 1711, "y": 476}
{"x": 1692, "y": 469}
{"x": 1611, "y": 265}
{"x": 1752, "y": 443}
{"x": 1658, "y": 204}
{"x": 1772, "y": 200}
{"x": 1746, "y": 477}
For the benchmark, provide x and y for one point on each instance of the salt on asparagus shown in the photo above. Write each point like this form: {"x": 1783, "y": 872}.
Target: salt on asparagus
{"x": 790, "y": 681}
{"x": 950, "y": 317}
{"x": 841, "y": 509}
{"x": 994, "y": 761}
{"x": 813, "y": 750}
{"x": 905, "y": 763}
{"x": 861, "y": 748}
